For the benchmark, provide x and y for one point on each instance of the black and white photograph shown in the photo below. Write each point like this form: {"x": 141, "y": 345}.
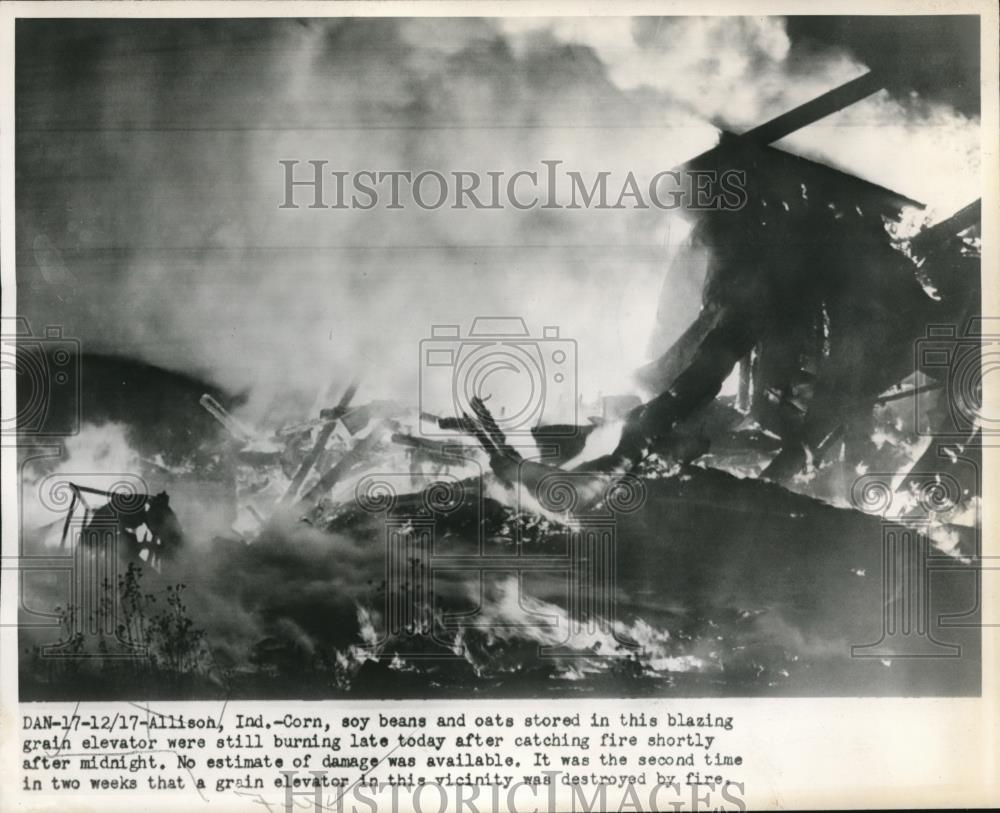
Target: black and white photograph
{"x": 498, "y": 356}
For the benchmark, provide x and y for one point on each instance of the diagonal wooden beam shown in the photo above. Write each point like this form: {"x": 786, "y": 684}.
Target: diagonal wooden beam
{"x": 816, "y": 109}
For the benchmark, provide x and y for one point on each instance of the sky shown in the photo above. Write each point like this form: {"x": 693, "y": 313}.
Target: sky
{"x": 148, "y": 184}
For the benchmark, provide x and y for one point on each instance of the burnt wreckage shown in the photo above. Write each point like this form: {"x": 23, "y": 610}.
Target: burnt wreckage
{"x": 806, "y": 292}
{"x": 809, "y": 295}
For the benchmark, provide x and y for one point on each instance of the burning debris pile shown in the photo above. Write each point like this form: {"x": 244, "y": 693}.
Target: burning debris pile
{"x": 814, "y": 297}
{"x": 856, "y": 348}
{"x": 306, "y": 466}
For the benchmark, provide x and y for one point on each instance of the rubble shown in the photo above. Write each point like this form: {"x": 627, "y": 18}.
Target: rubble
{"x": 821, "y": 336}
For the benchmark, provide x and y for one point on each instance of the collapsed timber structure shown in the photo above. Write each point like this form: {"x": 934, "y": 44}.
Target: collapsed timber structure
{"x": 807, "y": 294}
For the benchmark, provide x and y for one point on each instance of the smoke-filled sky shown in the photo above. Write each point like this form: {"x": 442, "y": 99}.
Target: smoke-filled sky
{"x": 148, "y": 181}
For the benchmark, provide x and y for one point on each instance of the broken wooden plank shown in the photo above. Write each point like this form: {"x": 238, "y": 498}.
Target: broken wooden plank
{"x": 231, "y": 425}
{"x": 322, "y": 438}
{"x": 334, "y": 474}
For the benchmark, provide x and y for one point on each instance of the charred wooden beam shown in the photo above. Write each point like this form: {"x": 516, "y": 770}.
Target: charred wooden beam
{"x": 947, "y": 230}
{"x": 751, "y": 148}
{"x": 816, "y": 109}
{"x": 463, "y": 424}
{"x": 233, "y": 426}
{"x": 712, "y": 359}
{"x": 357, "y": 418}
{"x": 334, "y": 474}
{"x": 453, "y": 452}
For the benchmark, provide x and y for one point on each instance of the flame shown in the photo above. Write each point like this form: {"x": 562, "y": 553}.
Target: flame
{"x": 510, "y": 625}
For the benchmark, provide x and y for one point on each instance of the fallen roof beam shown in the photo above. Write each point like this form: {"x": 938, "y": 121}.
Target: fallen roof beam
{"x": 963, "y": 219}
{"x": 816, "y": 109}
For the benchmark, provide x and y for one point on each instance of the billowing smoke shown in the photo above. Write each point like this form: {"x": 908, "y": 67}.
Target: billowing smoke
{"x": 739, "y": 72}
{"x": 148, "y": 173}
